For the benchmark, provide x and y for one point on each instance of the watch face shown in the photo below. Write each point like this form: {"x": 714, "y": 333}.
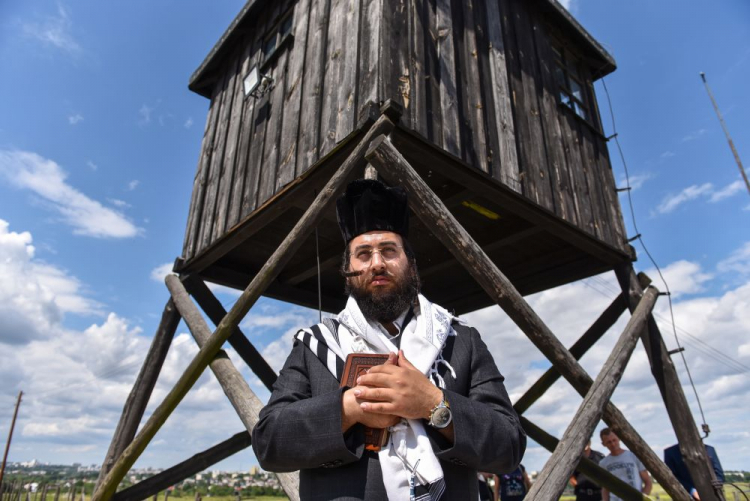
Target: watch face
{"x": 441, "y": 418}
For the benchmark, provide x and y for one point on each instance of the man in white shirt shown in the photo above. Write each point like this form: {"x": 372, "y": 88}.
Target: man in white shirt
{"x": 624, "y": 465}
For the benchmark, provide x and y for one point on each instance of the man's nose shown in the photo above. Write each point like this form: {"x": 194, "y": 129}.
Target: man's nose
{"x": 377, "y": 261}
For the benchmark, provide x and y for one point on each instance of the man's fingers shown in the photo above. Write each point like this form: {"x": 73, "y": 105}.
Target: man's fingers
{"x": 403, "y": 361}
{"x": 375, "y": 379}
{"x": 377, "y": 407}
{"x": 377, "y": 394}
{"x": 392, "y": 359}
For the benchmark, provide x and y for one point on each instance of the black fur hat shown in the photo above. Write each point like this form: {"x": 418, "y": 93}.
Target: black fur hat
{"x": 370, "y": 205}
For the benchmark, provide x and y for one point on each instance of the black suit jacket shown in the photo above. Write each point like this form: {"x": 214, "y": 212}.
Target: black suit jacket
{"x": 300, "y": 428}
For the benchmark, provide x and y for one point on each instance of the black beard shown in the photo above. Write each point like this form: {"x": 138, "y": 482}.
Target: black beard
{"x": 386, "y": 306}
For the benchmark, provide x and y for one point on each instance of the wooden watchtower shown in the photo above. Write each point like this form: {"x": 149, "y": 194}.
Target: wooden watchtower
{"x": 484, "y": 111}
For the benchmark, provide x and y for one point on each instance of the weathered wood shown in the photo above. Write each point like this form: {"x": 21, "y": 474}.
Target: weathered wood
{"x": 312, "y": 86}
{"x": 199, "y": 184}
{"x": 691, "y": 446}
{"x": 559, "y": 467}
{"x": 230, "y": 165}
{"x": 535, "y": 171}
{"x": 471, "y": 96}
{"x": 346, "y": 117}
{"x": 549, "y": 89}
{"x": 369, "y": 64}
{"x": 259, "y": 284}
{"x": 333, "y": 73}
{"x": 449, "y": 107}
{"x": 428, "y": 207}
{"x": 586, "y": 466}
{"x": 217, "y": 167}
{"x": 609, "y": 188}
{"x": 216, "y": 312}
{"x": 135, "y": 405}
{"x": 580, "y": 184}
{"x": 293, "y": 97}
{"x": 416, "y": 63}
{"x": 57, "y": 493}
{"x": 600, "y": 327}
{"x": 590, "y": 170}
{"x": 243, "y": 399}
{"x": 501, "y": 132}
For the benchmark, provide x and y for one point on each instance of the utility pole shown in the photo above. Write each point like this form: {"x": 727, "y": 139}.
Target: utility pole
{"x": 10, "y": 435}
{"x": 726, "y": 132}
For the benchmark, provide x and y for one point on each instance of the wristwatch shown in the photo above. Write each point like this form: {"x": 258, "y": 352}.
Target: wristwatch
{"x": 440, "y": 415}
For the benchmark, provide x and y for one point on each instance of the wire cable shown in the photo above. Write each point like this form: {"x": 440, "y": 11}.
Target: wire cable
{"x": 639, "y": 237}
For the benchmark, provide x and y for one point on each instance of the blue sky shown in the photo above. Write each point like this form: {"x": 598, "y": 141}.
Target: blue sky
{"x": 99, "y": 141}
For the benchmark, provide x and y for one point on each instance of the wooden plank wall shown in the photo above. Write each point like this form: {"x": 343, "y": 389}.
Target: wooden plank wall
{"x": 475, "y": 78}
{"x": 323, "y": 78}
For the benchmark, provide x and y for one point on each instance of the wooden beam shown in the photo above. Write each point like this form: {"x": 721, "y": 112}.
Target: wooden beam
{"x": 185, "y": 469}
{"x": 554, "y": 476}
{"x": 392, "y": 165}
{"x": 586, "y": 466}
{"x": 600, "y": 326}
{"x": 265, "y": 276}
{"x": 135, "y": 405}
{"x": 216, "y": 312}
{"x": 243, "y": 399}
{"x": 691, "y": 445}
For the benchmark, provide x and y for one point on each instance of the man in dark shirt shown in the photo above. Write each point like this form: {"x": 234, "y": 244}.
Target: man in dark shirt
{"x": 440, "y": 394}
{"x": 584, "y": 488}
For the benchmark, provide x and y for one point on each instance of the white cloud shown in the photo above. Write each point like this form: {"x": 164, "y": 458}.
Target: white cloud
{"x": 34, "y": 296}
{"x": 671, "y": 202}
{"x": 159, "y": 273}
{"x": 683, "y": 277}
{"x": 145, "y": 113}
{"x": 694, "y": 135}
{"x": 133, "y": 184}
{"x": 637, "y": 180}
{"x": 727, "y": 191}
{"x": 55, "y": 32}
{"x": 119, "y": 203}
{"x": 91, "y": 165}
{"x": 47, "y": 179}
{"x": 74, "y": 119}
{"x": 738, "y": 262}
{"x": 667, "y": 154}
{"x": 188, "y": 122}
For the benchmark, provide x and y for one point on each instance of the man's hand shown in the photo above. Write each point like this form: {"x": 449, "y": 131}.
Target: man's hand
{"x": 352, "y": 412}
{"x": 397, "y": 390}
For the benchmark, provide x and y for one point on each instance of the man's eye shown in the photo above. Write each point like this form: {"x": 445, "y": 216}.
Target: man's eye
{"x": 389, "y": 252}
{"x": 364, "y": 255}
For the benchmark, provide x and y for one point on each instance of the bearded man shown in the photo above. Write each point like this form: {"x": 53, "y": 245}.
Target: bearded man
{"x": 439, "y": 394}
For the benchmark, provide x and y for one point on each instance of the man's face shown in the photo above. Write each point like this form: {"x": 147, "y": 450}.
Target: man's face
{"x": 611, "y": 442}
{"x": 388, "y": 283}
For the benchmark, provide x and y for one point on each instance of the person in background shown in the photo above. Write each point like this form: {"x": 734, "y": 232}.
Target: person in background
{"x": 673, "y": 459}
{"x": 514, "y": 485}
{"x": 584, "y": 488}
{"x": 488, "y": 485}
{"x": 624, "y": 465}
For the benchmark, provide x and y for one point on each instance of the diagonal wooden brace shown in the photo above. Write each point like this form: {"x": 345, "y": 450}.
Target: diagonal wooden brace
{"x": 430, "y": 209}
{"x": 600, "y": 326}
{"x": 599, "y": 475}
{"x": 243, "y": 399}
{"x": 257, "y": 286}
{"x": 558, "y": 469}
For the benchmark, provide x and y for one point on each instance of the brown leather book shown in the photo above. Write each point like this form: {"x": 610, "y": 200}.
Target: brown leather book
{"x": 356, "y": 365}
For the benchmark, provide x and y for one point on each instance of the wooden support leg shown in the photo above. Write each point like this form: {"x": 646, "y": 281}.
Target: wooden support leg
{"x": 216, "y": 312}
{"x": 428, "y": 207}
{"x": 586, "y": 466}
{"x": 558, "y": 469}
{"x": 244, "y": 401}
{"x": 185, "y": 469}
{"x": 257, "y": 286}
{"x": 135, "y": 405}
{"x": 602, "y": 324}
{"x": 691, "y": 445}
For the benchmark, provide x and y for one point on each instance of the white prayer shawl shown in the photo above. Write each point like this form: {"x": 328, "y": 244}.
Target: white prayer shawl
{"x": 422, "y": 341}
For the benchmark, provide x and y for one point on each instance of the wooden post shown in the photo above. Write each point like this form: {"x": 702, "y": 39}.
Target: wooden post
{"x": 589, "y": 468}
{"x": 185, "y": 469}
{"x": 216, "y": 312}
{"x": 257, "y": 286}
{"x": 602, "y": 324}
{"x": 428, "y": 207}
{"x": 135, "y": 405}
{"x": 554, "y": 476}
{"x": 57, "y": 493}
{"x": 244, "y": 401}
{"x": 10, "y": 436}
{"x": 691, "y": 445}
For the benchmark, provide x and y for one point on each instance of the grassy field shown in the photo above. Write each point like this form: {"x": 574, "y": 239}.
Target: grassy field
{"x": 730, "y": 493}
